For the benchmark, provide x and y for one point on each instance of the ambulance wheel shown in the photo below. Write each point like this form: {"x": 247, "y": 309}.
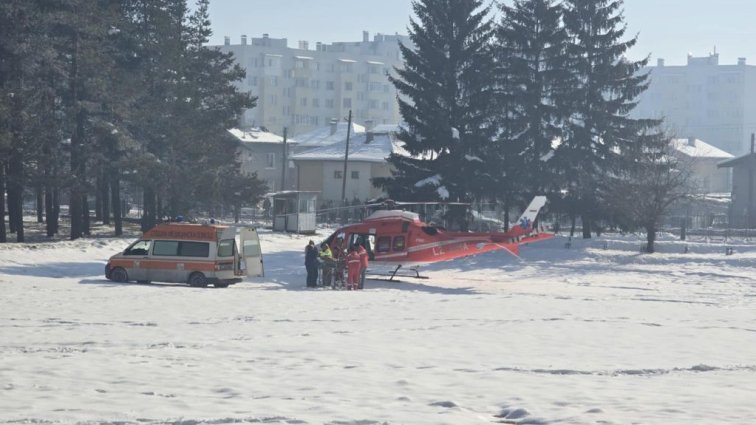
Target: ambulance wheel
{"x": 197, "y": 280}
{"x": 119, "y": 275}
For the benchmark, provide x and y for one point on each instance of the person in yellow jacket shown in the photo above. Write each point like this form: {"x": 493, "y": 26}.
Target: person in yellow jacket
{"x": 326, "y": 263}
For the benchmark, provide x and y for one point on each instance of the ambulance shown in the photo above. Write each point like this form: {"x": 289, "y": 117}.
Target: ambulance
{"x": 196, "y": 254}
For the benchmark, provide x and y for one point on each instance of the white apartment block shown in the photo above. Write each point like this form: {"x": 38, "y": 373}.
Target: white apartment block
{"x": 704, "y": 100}
{"x": 304, "y": 89}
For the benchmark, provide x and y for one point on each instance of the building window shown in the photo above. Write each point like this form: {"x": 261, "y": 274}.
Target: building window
{"x": 348, "y": 102}
{"x": 329, "y": 103}
{"x": 355, "y": 175}
{"x": 329, "y": 85}
{"x": 348, "y": 86}
{"x": 304, "y": 101}
{"x": 316, "y": 103}
{"x": 338, "y": 174}
{"x": 271, "y": 160}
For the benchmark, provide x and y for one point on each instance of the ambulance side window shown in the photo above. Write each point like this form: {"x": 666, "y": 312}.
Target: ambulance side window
{"x": 165, "y": 248}
{"x": 226, "y": 248}
{"x": 196, "y": 249}
{"x": 138, "y": 248}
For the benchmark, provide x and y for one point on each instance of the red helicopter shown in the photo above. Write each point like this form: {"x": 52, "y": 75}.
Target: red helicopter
{"x": 400, "y": 239}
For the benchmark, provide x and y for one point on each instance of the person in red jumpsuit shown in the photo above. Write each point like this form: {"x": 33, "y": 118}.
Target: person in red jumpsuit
{"x": 353, "y": 268}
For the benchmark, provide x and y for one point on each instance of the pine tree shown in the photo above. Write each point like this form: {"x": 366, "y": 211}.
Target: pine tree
{"x": 24, "y": 48}
{"x": 600, "y": 135}
{"x": 446, "y": 99}
{"x": 533, "y": 82}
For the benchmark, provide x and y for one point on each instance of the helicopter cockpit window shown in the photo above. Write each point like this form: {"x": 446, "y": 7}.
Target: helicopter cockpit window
{"x": 431, "y": 231}
{"x": 383, "y": 244}
{"x": 399, "y": 243}
{"x": 405, "y": 227}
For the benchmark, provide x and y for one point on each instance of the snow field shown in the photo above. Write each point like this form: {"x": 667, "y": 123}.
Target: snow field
{"x": 560, "y": 336}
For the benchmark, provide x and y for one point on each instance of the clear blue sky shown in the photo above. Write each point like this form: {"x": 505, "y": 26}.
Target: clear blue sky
{"x": 669, "y": 29}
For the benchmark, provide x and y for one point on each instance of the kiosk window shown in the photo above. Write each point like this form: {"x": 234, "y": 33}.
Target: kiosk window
{"x": 383, "y": 244}
{"x": 399, "y": 243}
{"x": 165, "y": 248}
{"x": 196, "y": 249}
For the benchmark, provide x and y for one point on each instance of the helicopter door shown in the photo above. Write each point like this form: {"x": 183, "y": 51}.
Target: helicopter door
{"x": 251, "y": 253}
{"x": 369, "y": 240}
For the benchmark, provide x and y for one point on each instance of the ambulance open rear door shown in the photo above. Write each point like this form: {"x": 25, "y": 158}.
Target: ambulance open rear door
{"x": 250, "y": 251}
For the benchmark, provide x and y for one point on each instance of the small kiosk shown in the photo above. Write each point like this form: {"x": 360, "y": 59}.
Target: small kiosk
{"x": 294, "y": 211}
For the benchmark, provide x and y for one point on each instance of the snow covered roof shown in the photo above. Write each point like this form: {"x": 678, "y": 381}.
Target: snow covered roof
{"x": 360, "y": 149}
{"x": 748, "y": 160}
{"x": 695, "y": 148}
{"x": 256, "y": 135}
{"x": 322, "y": 136}
{"x": 385, "y": 128}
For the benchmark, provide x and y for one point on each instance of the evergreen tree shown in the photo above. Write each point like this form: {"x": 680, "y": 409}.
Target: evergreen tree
{"x": 446, "y": 99}
{"x": 600, "y": 137}
{"x": 533, "y": 89}
{"x": 188, "y": 103}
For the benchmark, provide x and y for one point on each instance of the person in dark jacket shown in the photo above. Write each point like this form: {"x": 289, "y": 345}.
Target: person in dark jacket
{"x": 311, "y": 263}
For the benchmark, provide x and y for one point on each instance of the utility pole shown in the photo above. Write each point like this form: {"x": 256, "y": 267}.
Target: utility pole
{"x": 283, "y": 168}
{"x": 750, "y": 183}
{"x": 346, "y": 158}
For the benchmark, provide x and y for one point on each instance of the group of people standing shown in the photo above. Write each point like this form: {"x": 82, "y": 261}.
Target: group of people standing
{"x": 332, "y": 262}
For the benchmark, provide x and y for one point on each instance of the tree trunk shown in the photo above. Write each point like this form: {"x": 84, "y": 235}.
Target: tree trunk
{"x": 98, "y": 199}
{"x": 650, "y": 239}
{"x": 3, "y": 234}
{"x": 115, "y": 190}
{"x": 148, "y": 214}
{"x": 50, "y": 218}
{"x": 85, "y": 222}
{"x": 573, "y": 224}
{"x": 11, "y": 203}
{"x": 506, "y": 212}
{"x": 158, "y": 207}
{"x": 56, "y": 210}
{"x": 104, "y": 198}
{"x": 76, "y": 200}
{"x": 586, "y": 226}
{"x": 40, "y": 204}
{"x": 15, "y": 192}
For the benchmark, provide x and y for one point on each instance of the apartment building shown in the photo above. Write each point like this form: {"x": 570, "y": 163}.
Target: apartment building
{"x": 704, "y": 100}
{"x": 304, "y": 89}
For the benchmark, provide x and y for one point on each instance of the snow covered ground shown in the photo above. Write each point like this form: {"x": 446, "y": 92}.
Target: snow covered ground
{"x": 593, "y": 334}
